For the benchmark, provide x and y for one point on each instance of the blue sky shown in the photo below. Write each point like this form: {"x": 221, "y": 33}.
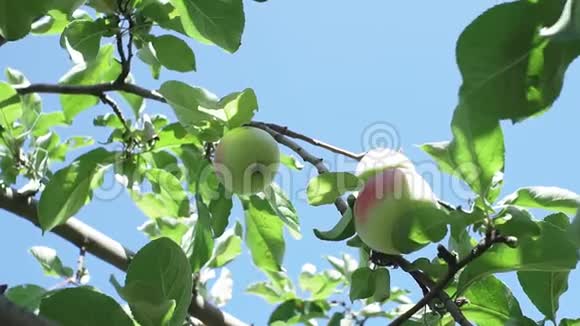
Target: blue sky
{"x": 335, "y": 70}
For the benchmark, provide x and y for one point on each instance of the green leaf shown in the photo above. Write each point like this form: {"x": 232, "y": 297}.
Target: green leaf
{"x": 291, "y": 162}
{"x": 103, "y": 6}
{"x": 435, "y": 268}
{"x": 48, "y": 146}
{"x": 70, "y": 188}
{"x": 173, "y": 53}
{"x": 164, "y": 14}
{"x": 460, "y": 240}
{"x": 174, "y": 135}
{"x": 217, "y": 22}
{"x": 50, "y": 263}
{"x": 84, "y": 36}
{"x": 544, "y": 290}
{"x": 194, "y": 165}
{"x": 344, "y": 229}
{"x": 16, "y": 17}
{"x": 10, "y": 106}
{"x": 345, "y": 265}
{"x": 165, "y": 161}
{"x": 53, "y": 23}
{"x": 428, "y": 225}
{"x": 550, "y": 198}
{"x": 136, "y": 102}
{"x": 491, "y": 303}
{"x": 284, "y": 209}
{"x": 227, "y": 249}
{"x": 31, "y": 103}
{"x": 147, "y": 55}
{"x": 46, "y": 121}
{"x": 67, "y": 6}
{"x": 187, "y": 102}
{"x": 104, "y": 68}
{"x": 325, "y": 188}
{"x": 76, "y": 142}
{"x": 335, "y": 319}
{"x": 200, "y": 247}
{"x": 109, "y": 120}
{"x": 362, "y": 284}
{"x": 240, "y": 107}
{"x": 27, "y": 296}
{"x": 320, "y": 285}
{"x": 266, "y": 291}
{"x": 569, "y": 322}
{"x": 508, "y": 71}
{"x": 264, "y": 234}
{"x": 295, "y": 311}
{"x": 168, "y": 198}
{"x": 159, "y": 283}
{"x": 82, "y": 306}
{"x": 382, "y": 284}
{"x": 517, "y": 222}
{"x": 574, "y": 230}
{"x": 440, "y": 153}
{"x": 552, "y": 251}
{"x": 220, "y": 208}
{"x": 172, "y": 228}
{"x": 366, "y": 283}
{"x": 203, "y": 242}
{"x": 477, "y": 150}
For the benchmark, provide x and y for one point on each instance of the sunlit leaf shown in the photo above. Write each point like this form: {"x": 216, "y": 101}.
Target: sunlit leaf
{"x": 264, "y": 234}
{"x": 71, "y": 187}
{"x": 552, "y": 251}
{"x": 50, "y": 263}
{"x": 104, "y": 68}
{"x": 477, "y": 150}
{"x": 508, "y": 71}
{"x": 240, "y": 107}
{"x": 550, "y": 198}
{"x": 325, "y": 188}
{"x": 217, "y": 22}
{"x": 283, "y": 206}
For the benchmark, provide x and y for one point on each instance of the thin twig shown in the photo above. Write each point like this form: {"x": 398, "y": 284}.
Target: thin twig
{"x": 305, "y": 155}
{"x": 110, "y": 102}
{"x": 81, "y": 266}
{"x": 95, "y": 90}
{"x": 130, "y": 41}
{"x": 492, "y": 237}
{"x": 121, "y": 50}
{"x": 125, "y": 57}
{"x": 423, "y": 280}
{"x": 293, "y": 134}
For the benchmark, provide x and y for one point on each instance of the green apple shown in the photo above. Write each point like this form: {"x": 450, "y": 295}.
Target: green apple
{"x": 246, "y": 160}
{"x": 379, "y": 159}
{"x": 391, "y": 210}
